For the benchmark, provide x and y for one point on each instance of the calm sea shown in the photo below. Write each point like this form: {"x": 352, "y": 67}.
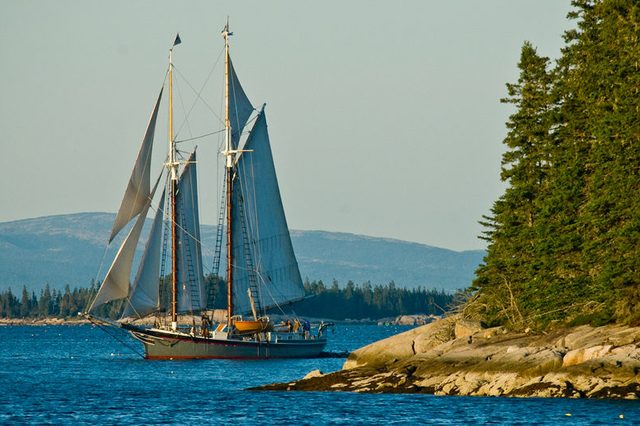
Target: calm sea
{"x": 80, "y": 375}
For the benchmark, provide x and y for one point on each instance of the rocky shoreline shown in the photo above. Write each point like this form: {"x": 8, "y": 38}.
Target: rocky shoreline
{"x": 453, "y": 356}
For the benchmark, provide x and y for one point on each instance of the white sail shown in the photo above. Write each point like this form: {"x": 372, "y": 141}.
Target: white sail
{"x": 144, "y": 297}
{"x": 191, "y": 294}
{"x": 240, "y": 107}
{"x": 116, "y": 282}
{"x": 259, "y": 219}
{"x": 139, "y": 187}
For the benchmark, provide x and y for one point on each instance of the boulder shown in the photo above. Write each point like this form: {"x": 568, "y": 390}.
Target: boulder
{"x": 578, "y": 356}
{"x": 403, "y": 345}
{"x": 466, "y": 328}
{"x": 313, "y": 373}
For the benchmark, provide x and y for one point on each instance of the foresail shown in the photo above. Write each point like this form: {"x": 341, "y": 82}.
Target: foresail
{"x": 258, "y": 204}
{"x": 139, "y": 187}
{"x": 240, "y": 107}
{"x": 116, "y": 283}
{"x": 191, "y": 294}
{"x": 144, "y": 297}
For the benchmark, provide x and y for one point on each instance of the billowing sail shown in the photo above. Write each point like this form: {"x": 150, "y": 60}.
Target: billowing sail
{"x": 258, "y": 218}
{"x": 138, "y": 188}
{"x": 191, "y": 294}
{"x": 116, "y": 282}
{"x": 240, "y": 107}
{"x": 144, "y": 297}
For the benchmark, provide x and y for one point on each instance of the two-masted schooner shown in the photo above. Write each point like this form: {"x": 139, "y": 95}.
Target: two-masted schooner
{"x": 262, "y": 271}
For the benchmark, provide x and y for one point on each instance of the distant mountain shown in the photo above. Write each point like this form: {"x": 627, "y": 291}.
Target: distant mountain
{"x": 69, "y": 249}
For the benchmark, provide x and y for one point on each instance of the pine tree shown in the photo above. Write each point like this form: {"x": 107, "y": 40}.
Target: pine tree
{"x": 605, "y": 80}
{"x": 563, "y": 238}
{"x": 45, "y": 302}
{"x": 24, "y": 303}
{"x": 504, "y": 277}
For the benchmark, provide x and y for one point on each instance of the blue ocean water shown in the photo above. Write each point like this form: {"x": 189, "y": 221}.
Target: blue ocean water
{"x": 80, "y": 375}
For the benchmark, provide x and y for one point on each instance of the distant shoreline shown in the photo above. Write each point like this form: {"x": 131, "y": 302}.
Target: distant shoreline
{"x": 43, "y": 321}
{"x": 413, "y": 320}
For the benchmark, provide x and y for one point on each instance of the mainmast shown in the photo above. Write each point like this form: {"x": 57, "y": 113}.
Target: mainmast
{"x": 229, "y": 154}
{"x": 173, "y": 185}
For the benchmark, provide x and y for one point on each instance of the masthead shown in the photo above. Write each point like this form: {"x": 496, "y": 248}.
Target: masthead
{"x": 225, "y": 31}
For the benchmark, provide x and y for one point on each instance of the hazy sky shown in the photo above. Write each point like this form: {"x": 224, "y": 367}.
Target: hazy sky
{"x": 384, "y": 116}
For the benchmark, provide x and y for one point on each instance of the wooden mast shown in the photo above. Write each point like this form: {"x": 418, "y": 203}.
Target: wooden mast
{"x": 173, "y": 167}
{"x": 229, "y": 177}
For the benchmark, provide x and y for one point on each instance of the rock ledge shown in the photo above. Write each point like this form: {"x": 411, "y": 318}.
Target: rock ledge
{"x": 453, "y": 356}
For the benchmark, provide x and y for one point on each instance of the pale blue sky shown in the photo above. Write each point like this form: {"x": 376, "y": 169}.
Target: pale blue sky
{"x": 384, "y": 116}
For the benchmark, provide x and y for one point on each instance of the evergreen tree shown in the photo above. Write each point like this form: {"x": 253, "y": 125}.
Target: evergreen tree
{"x": 25, "y": 307}
{"x": 504, "y": 277}
{"x": 563, "y": 238}
{"x": 45, "y": 302}
{"x": 606, "y": 66}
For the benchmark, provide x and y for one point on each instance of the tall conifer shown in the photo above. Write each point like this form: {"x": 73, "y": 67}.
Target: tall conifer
{"x": 564, "y": 237}
{"x": 504, "y": 277}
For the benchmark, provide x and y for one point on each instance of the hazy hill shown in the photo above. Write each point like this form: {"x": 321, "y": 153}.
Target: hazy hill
{"x": 68, "y": 249}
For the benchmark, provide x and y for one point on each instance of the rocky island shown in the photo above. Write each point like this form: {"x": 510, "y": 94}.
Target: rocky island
{"x": 454, "y": 356}
{"x": 559, "y": 288}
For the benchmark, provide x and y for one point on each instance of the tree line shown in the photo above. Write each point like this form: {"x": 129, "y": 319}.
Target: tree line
{"x": 335, "y": 302}
{"x": 564, "y": 236}
{"x": 370, "y": 301}
{"x": 50, "y": 303}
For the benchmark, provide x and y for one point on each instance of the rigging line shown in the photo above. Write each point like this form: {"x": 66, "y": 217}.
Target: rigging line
{"x": 276, "y": 304}
{"x": 113, "y": 336}
{"x": 222, "y": 108}
{"x": 153, "y": 209}
{"x": 186, "y": 118}
{"x": 198, "y": 254}
{"x": 187, "y": 233}
{"x": 99, "y": 271}
{"x": 199, "y": 137}
{"x": 147, "y": 163}
{"x": 270, "y": 287}
{"x": 235, "y": 106}
{"x": 151, "y": 205}
{"x": 244, "y": 132}
{"x": 106, "y": 248}
{"x": 218, "y": 180}
{"x": 245, "y": 226}
{"x": 254, "y": 212}
{"x": 198, "y": 96}
{"x": 127, "y": 302}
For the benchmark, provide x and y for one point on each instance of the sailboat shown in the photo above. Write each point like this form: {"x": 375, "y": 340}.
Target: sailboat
{"x": 261, "y": 267}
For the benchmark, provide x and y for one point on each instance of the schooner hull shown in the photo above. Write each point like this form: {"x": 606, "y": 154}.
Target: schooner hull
{"x": 160, "y": 344}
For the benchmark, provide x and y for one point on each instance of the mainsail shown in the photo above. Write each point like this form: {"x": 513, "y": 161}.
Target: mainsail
{"x": 191, "y": 294}
{"x": 144, "y": 297}
{"x": 139, "y": 187}
{"x": 240, "y": 107}
{"x": 260, "y": 227}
